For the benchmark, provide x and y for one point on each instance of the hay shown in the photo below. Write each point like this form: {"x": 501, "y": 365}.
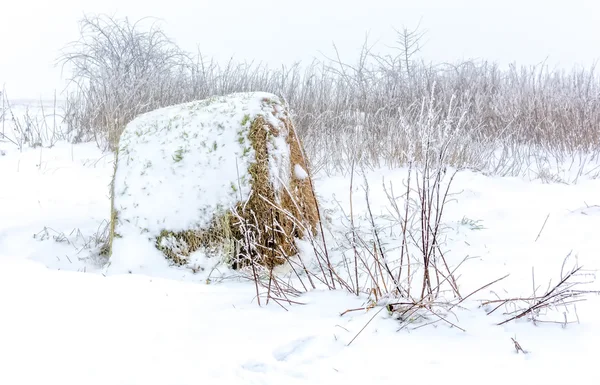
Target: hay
{"x": 274, "y": 226}
{"x": 263, "y": 225}
{"x": 277, "y": 218}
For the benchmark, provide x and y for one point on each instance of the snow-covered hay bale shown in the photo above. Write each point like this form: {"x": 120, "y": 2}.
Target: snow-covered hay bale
{"x": 226, "y": 176}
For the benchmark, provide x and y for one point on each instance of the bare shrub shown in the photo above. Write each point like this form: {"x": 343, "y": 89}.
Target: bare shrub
{"x": 370, "y": 112}
{"x": 410, "y": 277}
{"x": 119, "y": 72}
{"x": 35, "y": 126}
{"x": 560, "y": 298}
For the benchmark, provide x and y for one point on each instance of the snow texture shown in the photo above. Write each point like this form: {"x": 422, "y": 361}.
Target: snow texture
{"x": 67, "y": 321}
{"x": 299, "y": 172}
{"x": 180, "y": 166}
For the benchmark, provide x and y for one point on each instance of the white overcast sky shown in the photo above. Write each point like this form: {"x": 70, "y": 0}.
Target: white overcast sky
{"x": 283, "y": 31}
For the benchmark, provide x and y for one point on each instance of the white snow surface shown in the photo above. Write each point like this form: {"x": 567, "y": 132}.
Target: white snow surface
{"x": 299, "y": 172}
{"x": 179, "y": 166}
{"x": 66, "y": 320}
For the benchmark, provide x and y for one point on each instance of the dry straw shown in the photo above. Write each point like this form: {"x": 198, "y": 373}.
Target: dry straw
{"x": 264, "y": 227}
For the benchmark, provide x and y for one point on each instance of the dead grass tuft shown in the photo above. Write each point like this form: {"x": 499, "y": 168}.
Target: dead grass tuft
{"x": 216, "y": 240}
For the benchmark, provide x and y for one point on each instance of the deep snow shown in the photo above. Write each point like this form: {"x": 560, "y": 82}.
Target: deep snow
{"x": 66, "y": 320}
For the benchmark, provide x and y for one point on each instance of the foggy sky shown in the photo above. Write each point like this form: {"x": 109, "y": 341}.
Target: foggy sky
{"x": 565, "y": 33}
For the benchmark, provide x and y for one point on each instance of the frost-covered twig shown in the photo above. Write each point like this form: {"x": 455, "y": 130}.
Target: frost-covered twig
{"x": 515, "y": 121}
{"x": 562, "y": 294}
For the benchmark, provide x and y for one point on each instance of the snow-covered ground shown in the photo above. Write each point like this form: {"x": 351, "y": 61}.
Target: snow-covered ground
{"x": 66, "y": 320}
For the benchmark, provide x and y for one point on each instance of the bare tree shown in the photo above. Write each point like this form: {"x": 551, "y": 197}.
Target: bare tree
{"x": 409, "y": 43}
{"x": 119, "y": 71}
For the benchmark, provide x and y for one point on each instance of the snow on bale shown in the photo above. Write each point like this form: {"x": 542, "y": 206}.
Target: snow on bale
{"x": 223, "y": 176}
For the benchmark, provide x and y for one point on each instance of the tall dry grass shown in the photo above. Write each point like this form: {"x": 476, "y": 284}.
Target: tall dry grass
{"x": 380, "y": 110}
